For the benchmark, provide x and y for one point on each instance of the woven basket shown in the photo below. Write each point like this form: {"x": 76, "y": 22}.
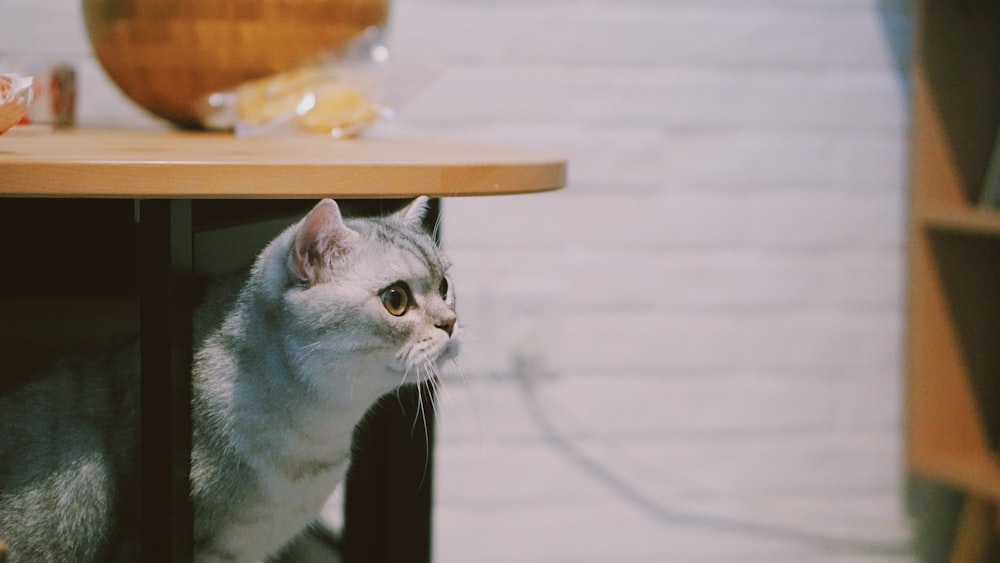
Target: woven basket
{"x": 167, "y": 55}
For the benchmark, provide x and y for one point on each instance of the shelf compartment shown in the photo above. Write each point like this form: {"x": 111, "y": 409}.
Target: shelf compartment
{"x": 965, "y": 220}
{"x": 978, "y": 473}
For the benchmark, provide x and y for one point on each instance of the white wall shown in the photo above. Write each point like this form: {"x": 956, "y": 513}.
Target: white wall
{"x": 693, "y": 352}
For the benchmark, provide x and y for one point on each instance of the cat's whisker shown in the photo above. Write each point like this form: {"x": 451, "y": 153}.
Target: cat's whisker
{"x": 430, "y": 379}
{"x": 421, "y": 411}
{"x": 436, "y": 230}
{"x": 472, "y": 395}
{"x": 399, "y": 398}
{"x": 471, "y": 355}
{"x": 423, "y": 415}
{"x": 461, "y": 371}
{"x": 435, "y": 402}
{"x": 438, "y": 383}
{"x": 433, "y": 388}
{"x": 306, "y": 350}
{"x": 440, "y": 386}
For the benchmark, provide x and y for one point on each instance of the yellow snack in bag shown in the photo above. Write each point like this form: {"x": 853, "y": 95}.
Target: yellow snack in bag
{"x": 313, "y": 99}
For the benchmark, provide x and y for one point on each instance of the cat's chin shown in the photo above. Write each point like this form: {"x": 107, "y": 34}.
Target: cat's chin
{"x": 427, "y": 357}
{"x": 425, "y": 364}
{"x": 449, "y": 352}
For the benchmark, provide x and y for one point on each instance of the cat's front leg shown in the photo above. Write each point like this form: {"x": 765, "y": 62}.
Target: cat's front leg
{"x": 215, "y": 554}
{"x": 248, "y": 539}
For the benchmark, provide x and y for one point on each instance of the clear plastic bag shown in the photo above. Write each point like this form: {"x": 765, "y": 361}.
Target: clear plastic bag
{"x": 339, "y": 95}
{"x": 15, "y": 96}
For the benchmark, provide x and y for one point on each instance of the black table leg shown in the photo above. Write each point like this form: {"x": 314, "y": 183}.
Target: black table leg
{"x": 166, "y": 308}
{"x": 389, "y": 491}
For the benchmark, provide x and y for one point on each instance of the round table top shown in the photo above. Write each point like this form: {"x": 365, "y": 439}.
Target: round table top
{"x": 176, "y": 164}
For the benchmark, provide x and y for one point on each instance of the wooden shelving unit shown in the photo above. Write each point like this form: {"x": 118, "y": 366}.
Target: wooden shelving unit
{"x": 954, "y": 268}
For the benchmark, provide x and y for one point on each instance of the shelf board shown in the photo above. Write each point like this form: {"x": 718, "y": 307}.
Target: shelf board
{"x": 978, "y": 473}
{"x": 968, "y": 220}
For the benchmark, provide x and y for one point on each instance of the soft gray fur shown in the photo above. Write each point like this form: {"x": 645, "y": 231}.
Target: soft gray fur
{"x": 288, "y": 362}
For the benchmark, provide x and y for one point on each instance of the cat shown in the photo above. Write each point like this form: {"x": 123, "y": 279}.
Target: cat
{"x": 333, "y": 314}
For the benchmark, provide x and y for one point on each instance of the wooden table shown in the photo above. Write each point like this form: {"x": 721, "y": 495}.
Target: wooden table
{"x": 170, "y": 176}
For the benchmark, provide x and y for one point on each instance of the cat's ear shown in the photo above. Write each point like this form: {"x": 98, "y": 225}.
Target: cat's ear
{"x": 322, "y": 237}
{"x": 414, "y": 213}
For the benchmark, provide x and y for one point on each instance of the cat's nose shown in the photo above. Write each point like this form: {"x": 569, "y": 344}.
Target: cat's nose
{"x": 447, "y": 326}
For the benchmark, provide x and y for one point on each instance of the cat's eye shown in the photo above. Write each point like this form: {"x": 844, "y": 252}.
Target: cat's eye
{"x": 443, "y": 288}
{"x": 396, "y": 299}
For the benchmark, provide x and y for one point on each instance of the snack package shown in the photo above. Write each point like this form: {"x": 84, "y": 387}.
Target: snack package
{"x": 53, "y": 88}
{"x": 339, "y": 95}
{"x": 317, "y": 99}
{"x": 15, "y": 97}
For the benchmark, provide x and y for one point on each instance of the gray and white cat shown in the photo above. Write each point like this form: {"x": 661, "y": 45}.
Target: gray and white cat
{"x": 333, "y": 314}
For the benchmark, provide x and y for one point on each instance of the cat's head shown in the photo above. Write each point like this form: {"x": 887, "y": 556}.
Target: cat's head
{"x": 371, "y": 292}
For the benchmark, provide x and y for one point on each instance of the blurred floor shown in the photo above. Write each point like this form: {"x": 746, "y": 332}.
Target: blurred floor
{"x": 521, "y": 478}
